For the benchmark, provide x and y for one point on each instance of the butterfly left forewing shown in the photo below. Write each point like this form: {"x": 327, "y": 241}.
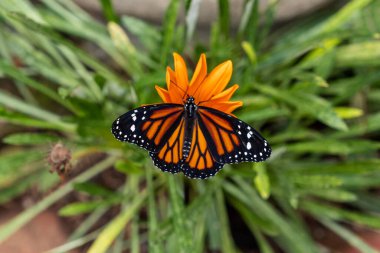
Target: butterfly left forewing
{"x": 230, "y": 139}
{"x": 159, "y": 128}
{"x": 147, "y": 126}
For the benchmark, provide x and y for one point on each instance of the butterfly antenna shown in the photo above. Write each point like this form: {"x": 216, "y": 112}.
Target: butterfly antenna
{"x": 184, "y": 91}
{"x": 195, "y": 92}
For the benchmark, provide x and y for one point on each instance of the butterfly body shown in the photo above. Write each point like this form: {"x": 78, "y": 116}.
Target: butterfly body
{"x": 190, "y": 110}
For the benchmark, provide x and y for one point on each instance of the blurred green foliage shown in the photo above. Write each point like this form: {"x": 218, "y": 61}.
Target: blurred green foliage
{"x": 312, "y": 87}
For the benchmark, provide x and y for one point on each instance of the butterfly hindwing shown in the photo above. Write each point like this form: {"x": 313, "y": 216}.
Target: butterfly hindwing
{"x": 169, "y": 157}
{"x": 200, "y": 163}
{"x": 231, "y": 140}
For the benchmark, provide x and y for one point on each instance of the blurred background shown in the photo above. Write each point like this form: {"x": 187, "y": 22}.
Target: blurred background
{"x": 310, "y": 83}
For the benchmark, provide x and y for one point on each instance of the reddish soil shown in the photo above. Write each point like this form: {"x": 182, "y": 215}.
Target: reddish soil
{"x": 44, "y": 232}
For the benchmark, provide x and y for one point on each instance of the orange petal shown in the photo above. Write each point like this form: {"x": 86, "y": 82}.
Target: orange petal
{"x": 232, "y": 106}
{"x": 226, "y": 107}
{"x": 225, "y": 95}
{"x": 164, "y": 94}
{"x": 170, "y": 77}
{"x": 181, "y": 72}
{"x": 216, "y": 81}
{"x": 199, "y": 74}
{"x": 174, "y": 93}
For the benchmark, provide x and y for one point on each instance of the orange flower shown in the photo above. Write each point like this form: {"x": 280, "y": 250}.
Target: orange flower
{"x": 207, "y": 89}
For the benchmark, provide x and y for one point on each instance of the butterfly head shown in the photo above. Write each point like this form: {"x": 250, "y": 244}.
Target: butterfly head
{"x": 190, "y": 100}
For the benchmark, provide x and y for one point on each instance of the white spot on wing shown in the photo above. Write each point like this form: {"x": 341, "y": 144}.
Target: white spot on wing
{"x": 133, "y": 128}
{"x": 249, "y": 146}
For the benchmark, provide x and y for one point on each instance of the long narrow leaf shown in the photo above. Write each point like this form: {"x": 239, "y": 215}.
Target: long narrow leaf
{"x": 113, "y": 229}
{"x": 20, "y": 220}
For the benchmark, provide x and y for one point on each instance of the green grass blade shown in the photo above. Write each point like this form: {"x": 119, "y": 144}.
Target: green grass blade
{"x": 265, "y": 246}
{"x": 224, "y": 18}
{"x": 224, "y": 226}
{"x": 86, "y": 225}
{"x": 18, "y": 105}
{"x": 19, "y": 119}
{"x": 54, "y": 36}
{"x": 148, "y": 34}
{"x": 30, "y": 139}
{"x": 261, "y": 180}
{"x": 328, "y": 211}
{"x": 337, "y": 147}
{"x": 342, "y": 16}
{"x": 307, "y": 103}
{"x": 336, "y": 195}
{"x": 249, "y": 21}
{"x": 169, "y": 29}
{"x": 192, "y": 18}
{"x": 14, "y": 165}
{"x": 154, "y": 246}
{"x": 114, "y": 227}
{"x": 77, "y": 208}
{"x": 73, "y": 244}
{"x": 109, "y": 11}
{"x": 298, "y": 241}
{"x": 200, "y": 234}
{"x": 83, "y": 73}
{"x": 268, "y": 23}
{"x": 181, "y": 230}
{"x": 349, "y": 236}
{"x": 135, "y": 237}
{"x": 20, "y": 220}
{"x": 364, "y": 54}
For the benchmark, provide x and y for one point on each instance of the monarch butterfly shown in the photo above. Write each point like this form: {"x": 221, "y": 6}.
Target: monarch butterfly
{"x": 193, "y": 131}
